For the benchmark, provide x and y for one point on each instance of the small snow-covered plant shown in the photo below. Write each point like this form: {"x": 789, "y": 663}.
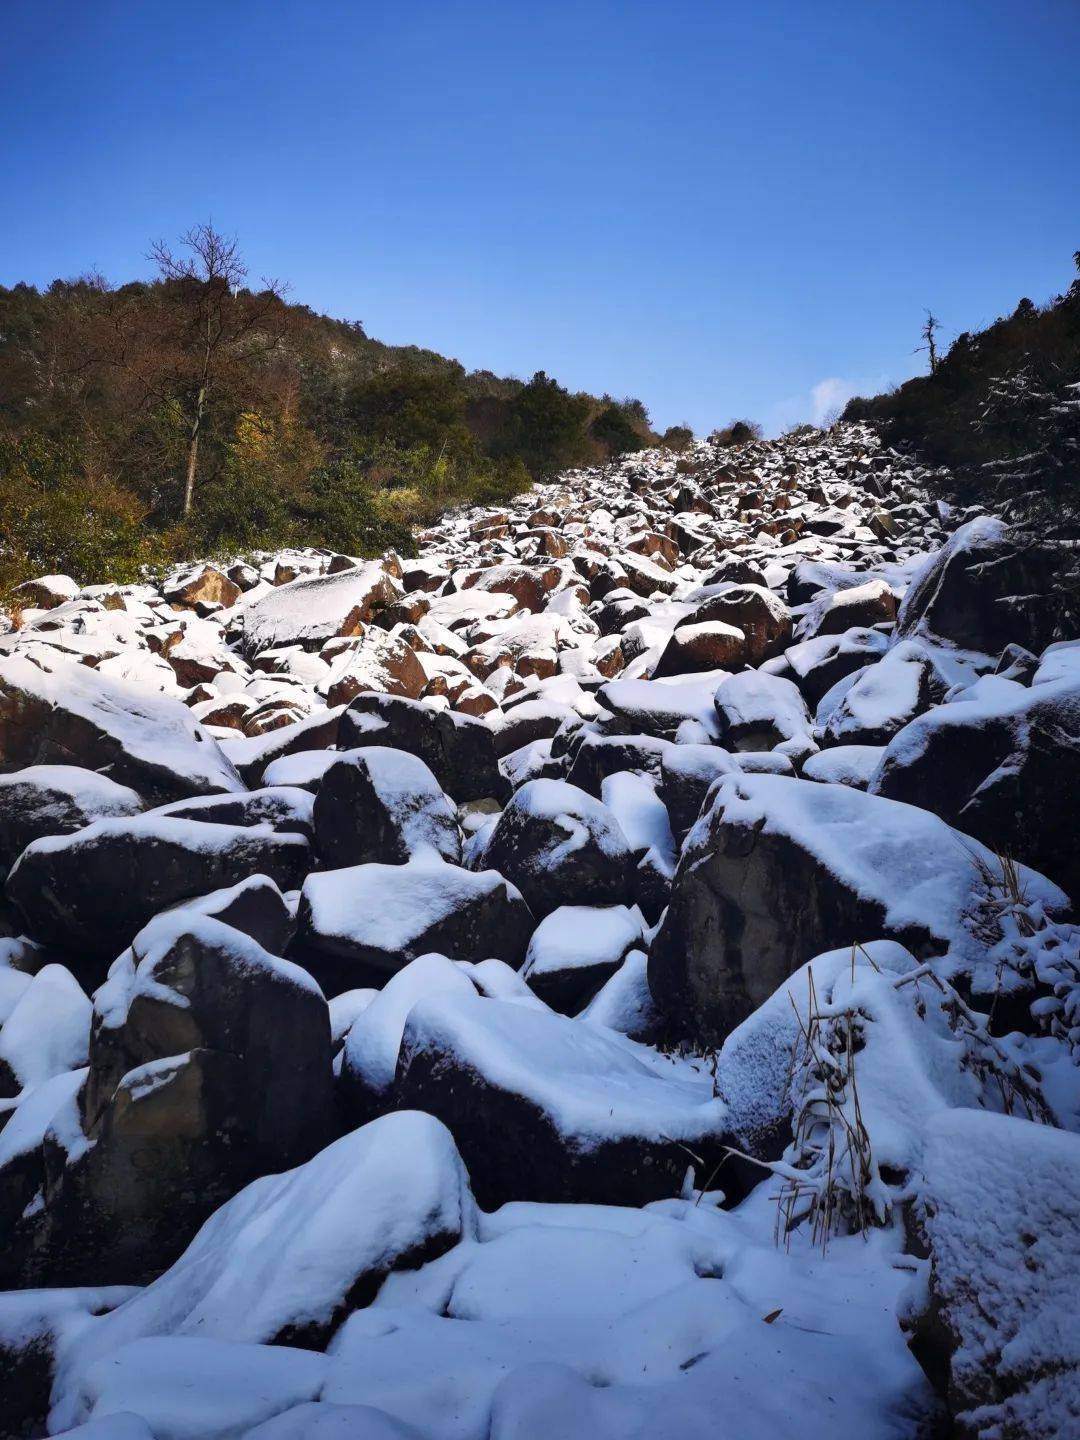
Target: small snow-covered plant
{"x": 989, "y": 1059}
{"x": 831, "y": 1178}
{"x": 1034, "y": 950}
{"x": 828, "y": 1174}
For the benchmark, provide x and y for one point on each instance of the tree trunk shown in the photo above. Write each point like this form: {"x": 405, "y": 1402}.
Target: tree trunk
{"x": 193, "y": 452}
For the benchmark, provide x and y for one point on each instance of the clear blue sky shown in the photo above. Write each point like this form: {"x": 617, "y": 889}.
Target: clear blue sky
{"x": 714, "y": 206}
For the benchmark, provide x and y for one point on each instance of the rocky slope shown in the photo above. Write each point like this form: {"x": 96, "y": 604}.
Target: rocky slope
{"x": 610, "y": 976}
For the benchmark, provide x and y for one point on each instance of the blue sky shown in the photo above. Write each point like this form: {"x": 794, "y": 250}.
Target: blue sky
{"x": 723, "y": 208}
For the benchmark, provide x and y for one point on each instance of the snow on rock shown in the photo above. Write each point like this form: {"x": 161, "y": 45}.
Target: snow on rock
{"x": 286, "y": 1259}
{"x": 314, "y": 609}
{"x": 46, "y": 1033}
{"x": 759, "y": 711}
{"x": 1000, "y": 1207}
{"x": 381, "y": 804}
{"x": 372, "y": 919}
{"x": 55, "y": 800}
{"x": 777, "y": 869}
{"x": 559, "y": 845}
{"x": 72, "y": 716}
{"x": 544, "y": 1107}
{"x": 1001, "y": 762}
{"x": 94, "y": 889}
{"x": 575, "y": 949}
{"x": 373, "y": 1042}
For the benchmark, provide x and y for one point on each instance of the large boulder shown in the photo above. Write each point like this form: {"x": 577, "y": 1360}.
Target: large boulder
{"x": 543, "y": 1107}
{"x": 457, "y": 749}
{"x": 778, "y": 870}
{"x": 575, "y": 949}
{"x": 987, "y": 587}
{"x": 1001, "y": 763}
{"x": 763, "y": 618}
{"x": 381, "y": 663}
{"x": 870, "y": 603}
{"x": 56, "y": 800}
{"x": 381, "y": 804}
{"x": 369, "y": 1056}
{"x": 205, "y": 585}
{"x": 758, "y": 711}
{"x": 253, "y": 755}
{"x": 365, "y": 922}
{"x": 278, "y": 807}
{"x": 90, "y": 892}
{"x": 882, "y": 699}
{"x": 559, "y": 846}
{"x": 710, "y": 645}
{"x": 818, "y": 664}
{"x": 314, "y": 609}
{"x": 70, "y": 715}
{"x": 1000, "y": 1329}
{"x": 209, "y": 1065}
{"x": 390, "y": 1196}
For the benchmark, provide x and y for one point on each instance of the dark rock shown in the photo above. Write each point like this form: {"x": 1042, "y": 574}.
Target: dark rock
{"x": 73, "y": 716}
{"x": 546, "y": 1108}
{"x": 559, "y": 846}
{"x": 209, "y": 1065}
{"x": 1006, "y": 770}
{"x": 92, "y": 891}
{"x": 381, "y": 804}
{"x": 458, "y": 750}
{"x": 359, "y": 925}
{"x": 56, "y": 800}
{"x": 987, "y": 588}
{"x": 779, "y": 870}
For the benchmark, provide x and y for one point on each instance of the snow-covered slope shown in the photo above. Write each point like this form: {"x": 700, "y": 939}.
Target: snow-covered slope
{"x": 612, "y": 975}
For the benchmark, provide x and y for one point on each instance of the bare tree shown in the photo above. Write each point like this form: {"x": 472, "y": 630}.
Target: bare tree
{"x": 929, "y": 336}
{"x": 225, "y": 330}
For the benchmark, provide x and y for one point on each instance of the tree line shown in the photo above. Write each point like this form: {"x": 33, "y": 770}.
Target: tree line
{"x": 1001, "y": 408}
{"x": 198, "y": 413}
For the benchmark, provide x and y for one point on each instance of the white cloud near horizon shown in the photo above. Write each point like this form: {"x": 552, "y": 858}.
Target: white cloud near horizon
{"x": 822, "y": 399}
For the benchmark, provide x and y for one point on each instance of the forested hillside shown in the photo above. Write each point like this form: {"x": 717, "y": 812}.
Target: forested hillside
{"x": 1001, "y": 408}
{"x": 199, "y": 412}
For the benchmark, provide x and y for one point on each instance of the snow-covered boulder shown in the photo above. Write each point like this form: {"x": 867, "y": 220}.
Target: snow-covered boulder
{"x": 458, "y": 749}
{"x": 70, "y": 715}
{"x": 370, "y": 1053}
{"x": 290, "y": 1256}
{"x": 575, "y": 949}
{"x": 379, "y": 664}
{"x": 204, "y": 585}
{"x": 816, "y": 665}
{"x": 93, "y": 890}
{"x": 381, "y": 804}
{"x": 985, "y": 589}
{"x": 209, "y": 1065}
{"x": 758, "y": 711}
{"x": 882, "y": 700}
{"x": 55, "y": 800}
{"x": 777, "y": 870}
{"x": 1000, "y": 1208}
{"x": 46, "y": 1033}
{"x": 46, "y": 591}
{"x": 547, "y": 1108}
{"x": 1002, "y": 762}
{"x": 365, "y": 922}
{"x": 315, "y": 608}
{"x": 559, "y": 846}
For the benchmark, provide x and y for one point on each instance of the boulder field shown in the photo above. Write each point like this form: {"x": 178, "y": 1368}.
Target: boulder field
{"x": 611, "y": 975}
